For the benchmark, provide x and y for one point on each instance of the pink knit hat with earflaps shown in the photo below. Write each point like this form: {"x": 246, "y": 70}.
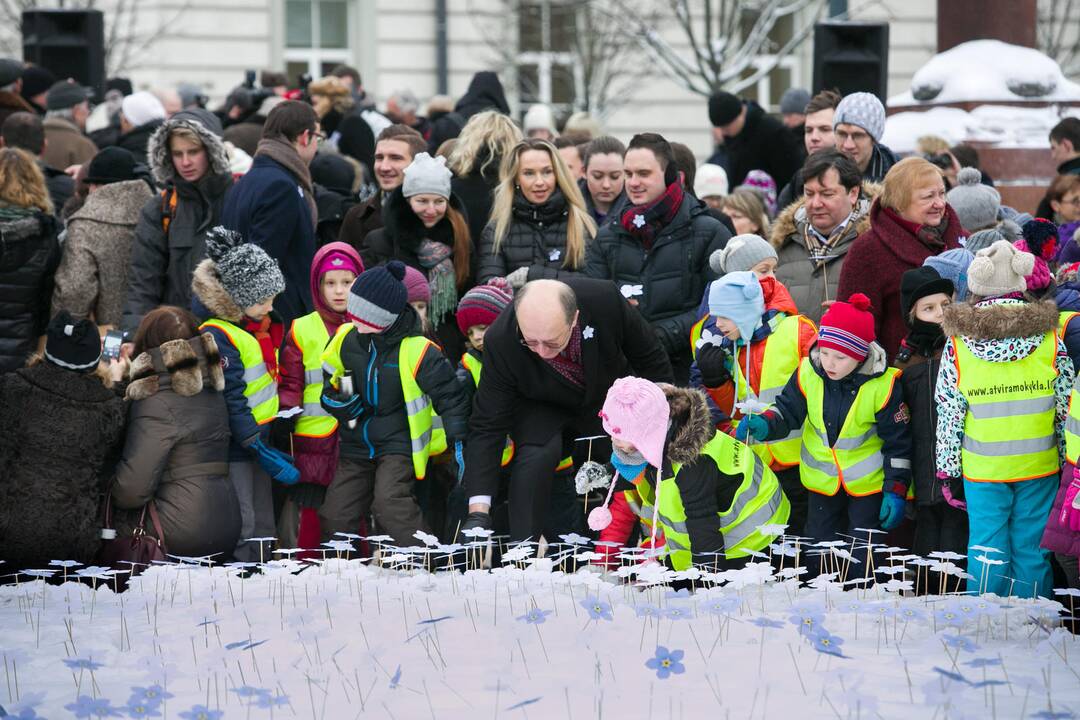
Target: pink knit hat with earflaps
{"x": 637, "y": 411}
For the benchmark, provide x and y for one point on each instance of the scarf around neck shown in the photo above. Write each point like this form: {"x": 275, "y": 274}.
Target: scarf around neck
{"x": 269, "y": 334}
{"x": 436, "y": 259}
{"x": 932, "y": 236}
{"x": 644, "y": 221}
{"x": 284, "y": 154}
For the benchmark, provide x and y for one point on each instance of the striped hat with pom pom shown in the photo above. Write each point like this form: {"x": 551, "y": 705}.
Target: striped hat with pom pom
{"x": 848, "y": 327}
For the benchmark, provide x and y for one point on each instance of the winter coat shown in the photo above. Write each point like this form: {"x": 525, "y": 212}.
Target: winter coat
{"x": 673, "y": 275}
{"x": 614, "y": 212}
{"x": 522, "y": 396}
{"x": 778, "y": 305}
{"x": 61, "y": 186}
{"x": 881, "y": 161}
{"x": 332, "y": 207}
{"x": 477, "y": 192}
{"x": 809, "y": 285}
{"x": 535, "y": 238}
{"x": 356, "y": 138}
{"x": 361, "y": 220}
{"x": 65, "y": 144}
{"x": 789, "y": 412}
{"x": 177, "y": 450}
{"x": 269, "y": 208}
{"x": 877, "y": 260}
{"x": 162, "y": 262}
{"x": 11, "y": 103}
{"x": 1067, "y": 299}
{"x": 763, "y": 144}
{"x": 60, "y": 435}
{"x": 91, "y": 281}
{"x": 997, "y": 330}
{"x": 1069, "y": 167}
{"x": 383, "y": 428}
{"x": 1056, "y": 537}
{"x": 246, "y": 135}
{"x": 210, "y": 300}
{"x": 316, "y": 457}
{"x": 918, "y": 378}
{"x": 29, "y": 255}
{"x": 137, "y": 140}
{"x": 485, "y": 92}
{"x": 443, "y": 127}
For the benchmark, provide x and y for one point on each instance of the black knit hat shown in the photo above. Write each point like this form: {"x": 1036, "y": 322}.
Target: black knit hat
{"x": 113, "y": 164}
{"x": 378, "y": 296}
{"x": 10, "y": 71}
{"x": 917, "y": 283}
{"x": 333, "y": 172}
{"x": 73, "y": 344}
{"x": 723, "y": 108}
{"x": 36, "y": 80}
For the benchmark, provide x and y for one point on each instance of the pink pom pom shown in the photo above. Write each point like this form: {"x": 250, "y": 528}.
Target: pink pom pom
{"x": 599, "y": 518}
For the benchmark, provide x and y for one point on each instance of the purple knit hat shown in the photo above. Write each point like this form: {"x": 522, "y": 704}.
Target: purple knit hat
{"x": 637, "y": 411}
{"x": 416, "y": 285}
{"x": 763, "y": 184}
{"x": 1068, "y": 244}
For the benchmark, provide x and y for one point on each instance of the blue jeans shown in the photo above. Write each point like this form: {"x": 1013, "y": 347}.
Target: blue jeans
{"x": 1010, "y": 517}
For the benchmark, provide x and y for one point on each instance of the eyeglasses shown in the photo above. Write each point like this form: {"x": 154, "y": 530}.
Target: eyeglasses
{"x": 844, "y": 136}
{"x": 555, "y": 346}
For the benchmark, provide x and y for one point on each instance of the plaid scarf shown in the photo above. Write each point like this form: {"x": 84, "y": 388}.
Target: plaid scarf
{"x": 436, "y": 259}
{"x": 568, "y": 363}
{"x": 644, "y": 221}
{"x": 820, "y": 250}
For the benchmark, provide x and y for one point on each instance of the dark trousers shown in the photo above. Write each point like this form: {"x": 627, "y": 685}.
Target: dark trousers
{"x": 796, "y": 494}
{"x": 836, "y": 517}
{"x": 382, "y": 487}
{"x": 531, "y": 476}
{"x": 939, "y": 527}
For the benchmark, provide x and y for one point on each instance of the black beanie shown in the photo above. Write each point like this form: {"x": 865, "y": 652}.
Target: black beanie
{"x": 110, "y": 165}
{"x": 919, "y": 282}
{"x": 378, "y": 296}
{"x": 723, "y": 108}
{"x": 333, "y": 172}
{"x": 73, "y": 344}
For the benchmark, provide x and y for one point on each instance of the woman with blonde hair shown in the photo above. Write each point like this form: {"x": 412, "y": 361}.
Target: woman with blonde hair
{"x": 29, "y": 255}
{"x": 478, "y": 153}
{"x": 747, "y": 212}
{"x": 539, "y": 223}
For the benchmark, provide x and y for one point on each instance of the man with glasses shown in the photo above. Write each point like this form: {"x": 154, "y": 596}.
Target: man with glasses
{"x": 858, "y": 124}
{"x": 549, "y": 361}
{"x": 273, "y": 205}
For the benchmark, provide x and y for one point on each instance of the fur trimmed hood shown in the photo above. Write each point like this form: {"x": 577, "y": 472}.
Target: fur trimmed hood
{"x": 206, "y": 126}
{"x": 1001, "y": 319}
{"x": 207, "y": 288}
{"x": 691, "y": 424}
{"x": 792, "y": 220}
{"x": 188, "y": 366}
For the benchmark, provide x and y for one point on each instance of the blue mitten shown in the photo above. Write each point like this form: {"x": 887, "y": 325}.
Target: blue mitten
{"x": 752, "y": 425}
{"x": 892, "y": 510}
{"x": 277, "y": 464}
{"x": 459, "y": 456}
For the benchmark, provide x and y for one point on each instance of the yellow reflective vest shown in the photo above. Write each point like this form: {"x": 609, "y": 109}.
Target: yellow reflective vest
{"x": 425, "y": 438}
{"x": 310, "y": 335}
{"x": 474, "y": 365}
{"x": 758, "y": 501}
{"x": 260, "y": 388}
{"x": 1009, "y": 426}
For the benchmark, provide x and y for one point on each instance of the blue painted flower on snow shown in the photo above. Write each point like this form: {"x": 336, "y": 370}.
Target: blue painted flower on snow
{"x": 666, "y": 662}
{"x": 536, "y": 616}
{"x": 201, "y": 712}
{"x": 152, "y": 695}
{"x": 597, "y": 608}
{"x": 89, "y": 707}
{"x": 826, "y": 642}
{"x": 82, "y": 664}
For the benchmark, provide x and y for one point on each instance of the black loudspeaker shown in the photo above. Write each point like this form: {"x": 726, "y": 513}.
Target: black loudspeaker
{"x": 68, "y": 43}
{"x": 852, "y": 57}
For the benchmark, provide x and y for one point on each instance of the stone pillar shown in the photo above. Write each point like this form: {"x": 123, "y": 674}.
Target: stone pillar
{"x": 1011, "y": 21}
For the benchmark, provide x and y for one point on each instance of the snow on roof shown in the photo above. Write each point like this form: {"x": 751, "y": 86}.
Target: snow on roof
{"x": 987, "y": 71}
{"x": 1002, "y": 125}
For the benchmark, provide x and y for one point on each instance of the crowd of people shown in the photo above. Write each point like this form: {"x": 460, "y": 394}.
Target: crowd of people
{"x": 298, "y": 319}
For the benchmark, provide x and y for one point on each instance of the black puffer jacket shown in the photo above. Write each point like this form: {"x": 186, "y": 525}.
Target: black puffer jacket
{"x": 918, "y": 379}
{"x": 536, "y": 239}
{"x": 383, "y": 428}
{"x": 162, "y": 262}
{"x": 29, "y": 256}
{"x": 177, "y": 450}
{"x": 60, "y": 434}
{"x": 673, "y": 275}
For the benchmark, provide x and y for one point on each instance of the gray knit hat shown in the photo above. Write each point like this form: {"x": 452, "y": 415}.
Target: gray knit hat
{"x": 794, "y": 101}
{"x": 247, "y": 273}
{"x": 975, "y": 204}
{"x": 741, "y": 253}
{"x": 999, "y": 270}
{"x": 426, "y": 175}
{"x": 862, "y": 109}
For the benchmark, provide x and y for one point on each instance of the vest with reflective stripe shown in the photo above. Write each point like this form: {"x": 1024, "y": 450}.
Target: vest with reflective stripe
{"x": 1072, "y": 424}
{"x": 474, "y": 365}
{"x": 758, "y": 501}
{"x": 260, "y": 388}
{"x": 856, "y": 460}
{"x": 425, "y": 439}
{"x": 1009, "y": 426}
{"x": 310, "y": 335}
{"x": 641, "y": 500}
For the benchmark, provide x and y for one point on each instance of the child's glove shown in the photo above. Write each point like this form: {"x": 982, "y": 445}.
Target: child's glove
{"x": 952, "y": 489}
{"x": 277, "y": 464}
{"x": 752, "y": 425}
{"x": 892, "y": 508}
{"x": 341, "y": 407}
{"x": 1070, "y": 506}
{"x": 459, "y": 456}
{"x": 712, "y": 363}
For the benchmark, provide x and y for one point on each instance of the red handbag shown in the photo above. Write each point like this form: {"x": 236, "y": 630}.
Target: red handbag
{"x": 136, "y": 551}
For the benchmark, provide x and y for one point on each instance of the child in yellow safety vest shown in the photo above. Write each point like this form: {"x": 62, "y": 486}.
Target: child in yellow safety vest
{"x": 1003, "y": 398}
{"x": 233, "y": 292}
{"x": 746, "y": 346}
{"x": 314, "y": 432}
{"x": 387, "y": 429}
{"x": 855, "y": 455}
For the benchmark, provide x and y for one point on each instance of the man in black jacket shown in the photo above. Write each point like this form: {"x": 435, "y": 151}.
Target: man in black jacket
{"x": 1065, "y": 151}
{"x": 753, "y": 140}
{"x": 548, "y": 364}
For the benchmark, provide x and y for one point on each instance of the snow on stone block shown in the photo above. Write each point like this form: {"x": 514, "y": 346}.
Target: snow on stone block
{"x": 1001, "y": 125}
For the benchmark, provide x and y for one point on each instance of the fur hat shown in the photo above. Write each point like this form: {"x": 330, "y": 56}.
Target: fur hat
{"x": 246, "y": 272}
{"x": 742, "y": 252}
{"x": 999, "y": 270}
{"x": 426, "y": 175}
{"x": 975, "y": 204}
{"x": 637, "y": 411}
{"x": 848, "y": 327}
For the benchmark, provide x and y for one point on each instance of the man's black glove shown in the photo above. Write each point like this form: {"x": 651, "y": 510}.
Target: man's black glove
{"x": 712, "y": 362}
{"x": 280, "y": 431}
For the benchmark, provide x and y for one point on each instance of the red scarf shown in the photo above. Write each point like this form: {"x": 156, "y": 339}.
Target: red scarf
{"x": 269, "y": 334}
{"x": 644, "y": 221}
{"x": 568, "y": 363}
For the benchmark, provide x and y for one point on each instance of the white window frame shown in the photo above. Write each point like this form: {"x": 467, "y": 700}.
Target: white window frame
{"x": 544, "y": 60}
{"x": 315, "y": 56}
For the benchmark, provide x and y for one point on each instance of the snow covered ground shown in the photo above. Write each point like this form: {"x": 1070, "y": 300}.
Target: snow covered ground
{"x": 342, "y": 639}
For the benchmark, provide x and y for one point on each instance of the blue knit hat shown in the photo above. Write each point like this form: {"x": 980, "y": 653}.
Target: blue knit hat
{"x": 953, "y": 265}
{"x": 378, "y": 296}
{"x": 737, "y": 296}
